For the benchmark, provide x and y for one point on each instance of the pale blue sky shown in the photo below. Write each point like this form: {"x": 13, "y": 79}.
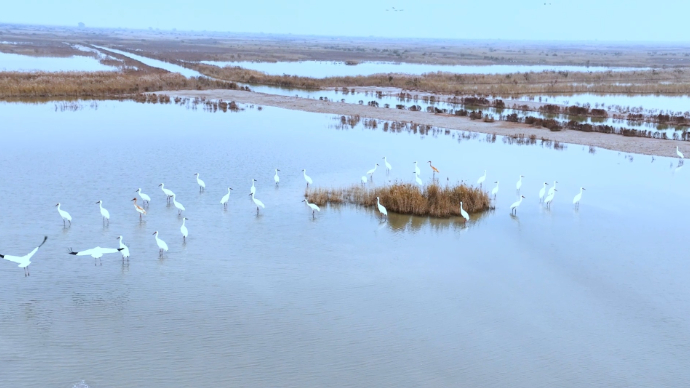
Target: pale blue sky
{"x": 614, "y": 20}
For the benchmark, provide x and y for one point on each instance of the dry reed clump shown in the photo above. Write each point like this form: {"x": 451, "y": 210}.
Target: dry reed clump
{"x": 406, "y": 198}
{"x": 98, "y": 84}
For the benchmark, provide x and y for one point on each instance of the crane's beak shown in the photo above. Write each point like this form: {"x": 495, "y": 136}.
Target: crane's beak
{"x": 584, "y": 188}
{"x": 155, "y": 232}
{"x": 230, "y": 188}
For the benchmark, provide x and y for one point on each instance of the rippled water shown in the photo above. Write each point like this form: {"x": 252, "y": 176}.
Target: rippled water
{"x": 323, "y": 69}
{"x": 561, "y": 298}
{"x": 16, "y": 62}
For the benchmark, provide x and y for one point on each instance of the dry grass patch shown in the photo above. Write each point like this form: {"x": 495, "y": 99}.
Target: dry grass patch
{"x": 406, "y": 198}
{"x": 98, "y": 84}
{"x": 670, "y": 81}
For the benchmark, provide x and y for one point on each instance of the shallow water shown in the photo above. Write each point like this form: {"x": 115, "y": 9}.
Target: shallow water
{"x": 548, "y": 298}
{"x": 16, "y": 62}
{"x": 678, "y": 103}
{"x": 323, "y": 69}
{"x": 156, "y": 63}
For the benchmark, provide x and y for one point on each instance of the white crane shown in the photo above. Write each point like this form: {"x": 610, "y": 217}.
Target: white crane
{"x": 252, "y": 190}
{"x": 225, "y": 199}
{"x": 125, "y": 249}
{"x": 542, "y": 192}
{"x": 494, "y": 191}
{"x": 145, "y": 198}
{"x": 184, "y": 230}
{"x": 578, "y": 197}
{"x": 372, "y": 171}
{"x": 25, "y": 260}
{"x": 680, "y": 154}
{"x": 276, "y": 178}
{"x": 552, "y": 188}
{"x": 388, "y": 165}
{"x": 162, "y": 246}
{"x": 481, "y": 179}
{"x": 364, "y": 179}
{"x": 168, "y": 193}
{"x": 514, "y": 206}
{"x": 518, "y": 185}
{"x": 202, "y": 185}
{"x": 416, "y": 169}
{"x": 138, "y": 208}
{"x": 549, "y": 199}
{"x": 104, "y": 213}
{"x": 258, "y": 204}
{"x": 96, "y": 253}
{"x": 382, "y": 209}
{"x": 418, "y": 179}
{"x": 178, "y": 205}
{"x": 313, "y": 207}
{"x": 463, "y": 213}
{"x": 307, "y": 178}
{"x": 65, "y": 216}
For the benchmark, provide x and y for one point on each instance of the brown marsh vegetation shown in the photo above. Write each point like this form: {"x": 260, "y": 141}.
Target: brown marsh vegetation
{"x": 672, "y": 81}
{"x": 405, "y": 198}
{"x": 98, "y": 84}
{"x": 223, "y": 46}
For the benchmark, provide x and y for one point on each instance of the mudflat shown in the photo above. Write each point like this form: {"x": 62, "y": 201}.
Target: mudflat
{"x": 637, "y": 145}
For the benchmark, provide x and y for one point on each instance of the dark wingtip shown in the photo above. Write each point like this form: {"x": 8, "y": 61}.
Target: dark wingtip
{"x": 73, "y": 253}
{"x": 2, "y": 256}
{"x": 119, "y": 249}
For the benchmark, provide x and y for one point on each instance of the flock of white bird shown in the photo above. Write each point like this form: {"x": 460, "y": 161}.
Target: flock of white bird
{"x": 98, "y": 252}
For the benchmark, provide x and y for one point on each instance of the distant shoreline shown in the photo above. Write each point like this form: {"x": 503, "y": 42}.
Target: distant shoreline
{"x": 637, "y": 145}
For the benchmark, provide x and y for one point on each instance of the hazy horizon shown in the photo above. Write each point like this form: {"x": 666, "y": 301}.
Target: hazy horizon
{"x": 561, "y": 21}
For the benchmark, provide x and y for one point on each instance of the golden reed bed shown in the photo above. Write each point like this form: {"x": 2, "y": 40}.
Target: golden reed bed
{"x": 405, "y": 198}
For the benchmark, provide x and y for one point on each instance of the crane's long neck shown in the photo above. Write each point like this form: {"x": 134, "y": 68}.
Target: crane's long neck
{"x": 58, "y": 207}
{"x": 100, "y": 205}
{"x": 183, "y": 221}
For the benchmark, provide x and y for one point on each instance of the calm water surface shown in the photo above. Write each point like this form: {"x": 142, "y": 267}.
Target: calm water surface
{"x": 561, "y": 298}
{"x": 171, "y": 67}
{"x": 323, "y": 69}
{"x": 16, "y": 62}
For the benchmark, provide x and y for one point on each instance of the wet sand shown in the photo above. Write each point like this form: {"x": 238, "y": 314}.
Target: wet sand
{"x": 635, "y": 145}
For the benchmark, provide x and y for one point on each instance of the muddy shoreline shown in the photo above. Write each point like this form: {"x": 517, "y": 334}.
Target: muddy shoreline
{"x": 637, "y": 145}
